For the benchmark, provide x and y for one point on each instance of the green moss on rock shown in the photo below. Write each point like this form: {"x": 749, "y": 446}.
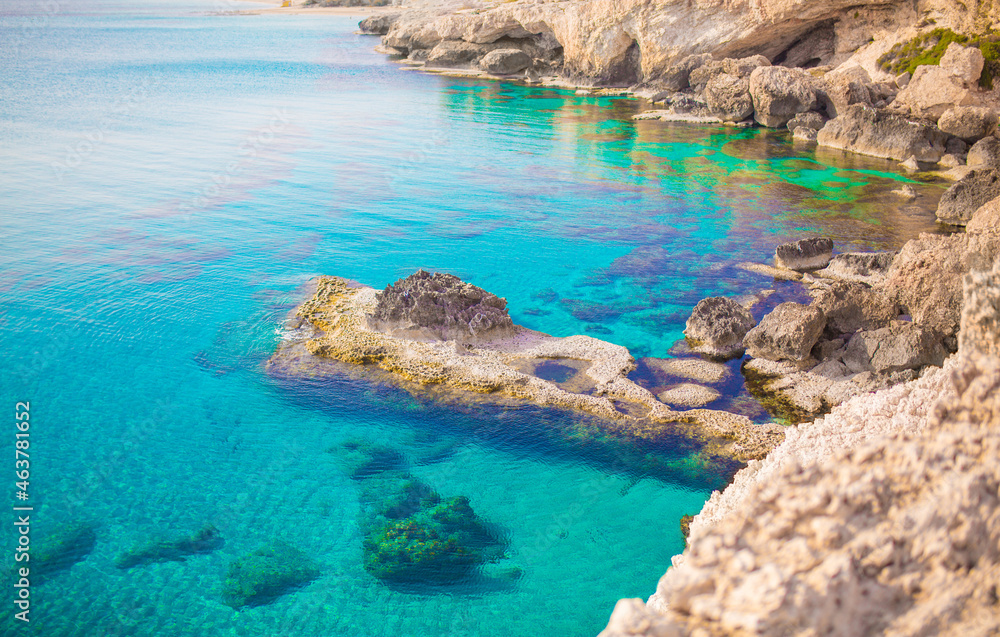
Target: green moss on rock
{"x": 439, "y": 544}
{"x": 929, "y": 48}
{"x": 260, "y": 577}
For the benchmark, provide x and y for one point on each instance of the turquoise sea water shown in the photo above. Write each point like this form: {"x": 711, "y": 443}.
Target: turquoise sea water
{"x": 171, "y": 176}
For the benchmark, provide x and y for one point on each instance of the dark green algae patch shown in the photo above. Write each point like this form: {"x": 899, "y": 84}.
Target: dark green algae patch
{"x": 412, "y": 535}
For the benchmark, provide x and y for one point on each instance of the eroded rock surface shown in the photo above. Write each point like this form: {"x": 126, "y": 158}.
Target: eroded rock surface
{"x": 963, "y": 198}
{"x": 880, "y": 518}
{"x": 440, "y": 306}
{"x": 787, "y": 333}
{"x": 805, "y": 254}
{"x": 880, "y": 133}
{"x": 717, "y": 326}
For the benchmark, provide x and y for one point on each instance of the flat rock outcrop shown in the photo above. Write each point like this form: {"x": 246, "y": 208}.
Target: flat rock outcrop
{"x": 894, "y": 348}
{"x": 499, "y": 365}
{"x": 879, "y": 133}
{"x": 970, "y": 123}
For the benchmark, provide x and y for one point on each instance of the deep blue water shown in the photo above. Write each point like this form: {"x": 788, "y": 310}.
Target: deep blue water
{"x": 171, "y": 177}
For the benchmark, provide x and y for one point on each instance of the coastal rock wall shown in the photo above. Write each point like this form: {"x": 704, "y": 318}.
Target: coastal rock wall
{"x": 628, "y": 41}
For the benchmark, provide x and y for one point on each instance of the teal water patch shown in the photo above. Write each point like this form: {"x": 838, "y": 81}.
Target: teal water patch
{"x": 174, "y": 175}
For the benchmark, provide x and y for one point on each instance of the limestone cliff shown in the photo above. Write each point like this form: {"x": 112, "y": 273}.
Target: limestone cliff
{"x": 628, "y": 41}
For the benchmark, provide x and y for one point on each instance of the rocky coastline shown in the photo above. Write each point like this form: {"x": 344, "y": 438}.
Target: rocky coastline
{"x": 877, "y": 512}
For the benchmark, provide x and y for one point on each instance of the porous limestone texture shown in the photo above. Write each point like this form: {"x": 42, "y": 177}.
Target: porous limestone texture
{"x": 334, "y": 324}
{"x": 440, "y": 307}
{"x": 936, "y": 88}
{"x": 717, "y": 326}
{"x": 804, "y": 254}
{"x": 881, "y": 518}
{"x": 877, "y": 132}
{"x": 963, "y": 198}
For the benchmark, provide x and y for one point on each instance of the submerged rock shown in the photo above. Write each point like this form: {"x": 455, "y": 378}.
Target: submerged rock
{"x": 717, "y": 326}
{"x": 178, "y": 549}
{"x": 60, "y": 550}
{"x": 805, "y": 254}
{"x": 411, "y": 534}
{"x": 440, "y": 306}
{"x": 787, "y": 333}
{"x": 266, "y": 574}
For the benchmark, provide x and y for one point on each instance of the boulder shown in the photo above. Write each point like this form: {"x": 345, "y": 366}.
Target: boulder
{"x": 809, "y": 119}
{"x": 894, "y": 348}
{"x": 970, "y": 123}
{"x": 804, "y": 254}
{"x": 701, "y": 76}
{"x": 880, "y": 133}
{"x": 677, "y": 76}
{"x": 717, "y": 326}
{"x": 850, "y": 307}
{"x": 440, "y": 307}
{"x": 729, "y": 97}
{"x": 454, "y": 53}
{"x": 505, "y": 61}
{"x": 847, "y": 87}
{"x": 985, "y": 152}
{"x": 985, "y": 220}
{"x": 743, "y": 67}
{"x": 861, "y": 267}
{"x": 980, "y": 333}
{"x": 936, "y": 88}
{"x": 925, "y": 278}
{"x": 788, "y": 332}
{"x": 957, "y": 147}
{"x": 779, "y": 94}
{"x": 966, "y": 196}
{"x": 805, "y": 134}
{"x": 965, "y": 63}
{"x": 266, "y": 574}
{"x": 378, "y": 24}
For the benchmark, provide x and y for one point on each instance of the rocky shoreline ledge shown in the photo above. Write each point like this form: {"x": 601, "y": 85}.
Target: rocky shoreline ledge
{"x": 882, "y": 517}
{"x": 435, "y": 330}
{"x": 886, "y": 79}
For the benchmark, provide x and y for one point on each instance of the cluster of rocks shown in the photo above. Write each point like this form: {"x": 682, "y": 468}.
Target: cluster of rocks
{"x": 879, "y": 519}
{"x": 875, "y": 319}
{"x": 527, "y": 54}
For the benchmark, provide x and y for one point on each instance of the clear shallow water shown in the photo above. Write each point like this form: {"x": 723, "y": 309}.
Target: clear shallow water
{"x": 170, "y": 179}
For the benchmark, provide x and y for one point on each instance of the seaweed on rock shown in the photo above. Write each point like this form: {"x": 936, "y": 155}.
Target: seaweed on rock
{"x": 266, "y": 574}
{"x": 62, "y": 549}
{"x": 206, "y": 540}
{"x": 411, "y": 534}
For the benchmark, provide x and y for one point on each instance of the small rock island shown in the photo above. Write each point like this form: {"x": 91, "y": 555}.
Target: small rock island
{"x": 434, "y": 329}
